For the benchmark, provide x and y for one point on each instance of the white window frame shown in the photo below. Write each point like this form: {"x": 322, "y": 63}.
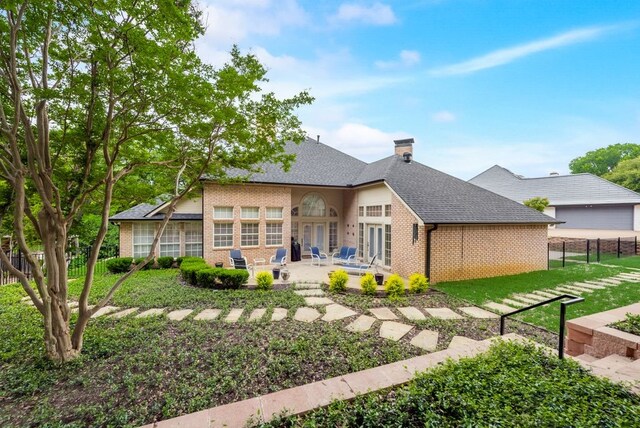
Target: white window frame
{"x": 147, "y": 226}
{"x": 226, "y": 235}
{"x": 270, "y": 211}
{"x": 223, "y": 213}
{"x": 190, "y": 242}
{"x": 270, "y": 235}
{"x": 254, "y": 235}
{"x": 170, "y": 240}
{"x": 250, "y": 213}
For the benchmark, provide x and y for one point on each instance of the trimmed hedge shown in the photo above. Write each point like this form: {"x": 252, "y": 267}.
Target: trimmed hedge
{"x": 197, "y": 272}
{"x": 189, "y": 269}
{"x": 140, "y": 260}
{"x": 165, "y": 262}
{"x": 119, "y": 264}
{"x": 233, "y": 278}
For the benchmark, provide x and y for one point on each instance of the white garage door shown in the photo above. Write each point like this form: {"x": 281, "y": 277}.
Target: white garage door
{"x": 619, "y": 217}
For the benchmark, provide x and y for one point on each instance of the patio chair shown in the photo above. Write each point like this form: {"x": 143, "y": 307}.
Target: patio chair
{"x": 359, "y": 268}
{"x": 347, "y": 255}
{"x": 236, "y": 260}
{"x": 280, "y": 258}
{"x": 317, "y": 256}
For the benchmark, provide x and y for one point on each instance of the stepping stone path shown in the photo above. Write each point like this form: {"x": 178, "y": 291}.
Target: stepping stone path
{"x": 514, "y": 303}
{"x": 306, "y": 314}
{"x": 337, "y": 312}
{"x": 208, "y": 314}
{"x": 234, "y": 315}
{"x": 104, "y": 311}
{"x": 394, "y": 330}
{"x": 426, "y": 339}
{"x": 383, "y": 314}
{"x": 526, "y": 300}
{"x": 443, "y": 313}
{"x": 318, "y": 301}
{"x": 124, "y": 313}
{"x": 279, "y": 314}
{"x": 412, "y": 313}
{"x": 257, "y": 314}
{"x": 475, "y": 312}
{"x": 179, "y": 315}
{"x": 150, "y": 313}
{"x": 461, "y": 341}
{"x": 545, "y": 294}
{"x": 310, "y": 292}
{"x": 361, "y": 324}
{"x": 499, "y": 307}
{"x": 304, "y": 286}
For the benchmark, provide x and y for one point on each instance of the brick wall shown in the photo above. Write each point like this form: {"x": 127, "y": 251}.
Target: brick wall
{"x": 350, "y": 218}
{"x": 126, "y": 239}
{"x": 407, "y": 257}
{"x": 480, "y": 251}
{"x": 244, "y": 196}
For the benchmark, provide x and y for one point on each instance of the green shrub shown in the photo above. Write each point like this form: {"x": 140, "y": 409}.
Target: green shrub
{"x": 181, "y": 259}
{"x": 165, "y": 262}
{"x": 264, "y": 281}
{"x": 631, "y": 324}
{"x": 338, "y": 281}
{"x": 119, "y": 264}
{"x": 394, "y": 287}
{"x": 140, "y": 260}
{"x": 418, "y": 283}
{"x": 368, "y": 284}
{"x": 189, "y": 269}
{"x": 207, "y": 277}
{"x": 233, "y": 278}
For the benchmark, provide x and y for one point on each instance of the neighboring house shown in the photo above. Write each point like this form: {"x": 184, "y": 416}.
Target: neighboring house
{"x": 411, "y": 217}
{"x": 580, "y": 201}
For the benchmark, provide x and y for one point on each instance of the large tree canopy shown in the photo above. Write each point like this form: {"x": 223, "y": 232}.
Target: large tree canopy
{"x": 94, "y": 92}
{"x": 627, "y": 174}
{"x": 605, "y": 159}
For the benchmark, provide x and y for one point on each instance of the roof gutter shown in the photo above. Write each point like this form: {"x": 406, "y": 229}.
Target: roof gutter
{"x": 427, "y": 268}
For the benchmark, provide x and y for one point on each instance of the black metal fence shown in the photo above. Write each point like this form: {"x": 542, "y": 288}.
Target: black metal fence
{"x": 564, "y": 252}
{"x": 76, "y": 263}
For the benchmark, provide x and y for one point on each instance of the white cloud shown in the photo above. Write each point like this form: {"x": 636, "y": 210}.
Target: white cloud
{"x": 505, "y": 56}
{"x": 443, "y": 116}
{"x": 375, "y": 14}
{"x": 406, "y": 58}
{"x": 358, "y": 140}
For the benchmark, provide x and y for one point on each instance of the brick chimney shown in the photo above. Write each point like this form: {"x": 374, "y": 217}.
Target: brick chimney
{"x": 404, "y": 146}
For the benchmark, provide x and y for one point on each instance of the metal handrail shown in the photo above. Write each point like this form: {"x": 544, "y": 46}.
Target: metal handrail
{"x": 563, "y": 312}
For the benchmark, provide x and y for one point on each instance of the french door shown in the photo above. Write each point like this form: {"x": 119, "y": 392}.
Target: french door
{"x": 314, "y": 235}
{"x": 375, "y": 242}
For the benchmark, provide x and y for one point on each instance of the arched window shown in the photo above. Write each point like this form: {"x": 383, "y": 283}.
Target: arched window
{"x": 333, "y": 212}
{"x": 294, "y": 212}
{"x": 313, "y": 206}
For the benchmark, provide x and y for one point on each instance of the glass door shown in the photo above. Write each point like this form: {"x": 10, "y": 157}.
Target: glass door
{"x": 375, "y": 242}
{"x": 319, "y": 229}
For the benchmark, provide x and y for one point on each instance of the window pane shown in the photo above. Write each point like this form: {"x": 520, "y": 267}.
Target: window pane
{"x": 294, "y": 230}
{"x": 387, "y": 245}
{"x": 223, "y": 212}
{"x": 333, "y": 212}
{"x": 313, "y": 206}
{"x": 361, "y": 211}
{"x": 193, "y": 233}
{"x": 143, "y": 235}
{"x": 223, "y": 235}
{"x": 294, "y": 212}
{"x": 374, "y": 211}
{"x": 387, "y": 210}
{"x": 274, "y": 213}
{"x": 250, "y": 234}
{"x": 194, "y": 250}
{"x": 274, "y": 233}
{"x": 360, "y": 239}
{"x": 250, "y": 212}
{"x": 333, "y": 235}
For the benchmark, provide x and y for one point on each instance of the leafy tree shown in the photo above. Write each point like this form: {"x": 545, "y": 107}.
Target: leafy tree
{"x": 94, "y": 92}
{"x": 537, "y": 203}
{"x": 605, "y": 159}
{"x": 626, "y": 174}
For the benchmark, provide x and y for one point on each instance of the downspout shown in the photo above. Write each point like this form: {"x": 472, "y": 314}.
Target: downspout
{"x": 427, "y": 270}
{"x": 203, "y": 216}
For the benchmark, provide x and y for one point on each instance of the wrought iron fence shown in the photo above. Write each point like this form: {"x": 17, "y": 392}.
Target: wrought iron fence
{"x": 76, "y": 263}
{"x": 564, "y": 252}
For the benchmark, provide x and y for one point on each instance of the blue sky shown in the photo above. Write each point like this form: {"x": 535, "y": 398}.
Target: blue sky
{"x": 526, "y": 84}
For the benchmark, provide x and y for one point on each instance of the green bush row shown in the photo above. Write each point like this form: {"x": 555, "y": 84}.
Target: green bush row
{"x": 123, "y": 264}
{"x": 197, "y": 272}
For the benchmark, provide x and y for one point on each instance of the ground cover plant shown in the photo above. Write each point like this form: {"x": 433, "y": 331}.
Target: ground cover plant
{"x": 631, "y": 324}
{"x": 512, "y": 385}
{"x": 134, "y": 371}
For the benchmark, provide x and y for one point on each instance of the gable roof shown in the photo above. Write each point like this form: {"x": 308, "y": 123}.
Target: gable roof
{"x": 142, "y": 211}
{"x": 574, "y": 189}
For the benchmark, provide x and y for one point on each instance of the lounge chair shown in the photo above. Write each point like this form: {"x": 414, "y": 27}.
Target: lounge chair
{"x": 346, "y": 255}
{"x": 317, "y": 256}
{"x": 359, "y": 268}
{"x": 237, "y": 261}
{"x": 280, "y": 258}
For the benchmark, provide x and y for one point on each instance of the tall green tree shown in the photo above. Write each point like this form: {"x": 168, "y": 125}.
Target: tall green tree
{"x": 93, "y": 92}
{"x": 626, "y": 174}
{"x": 538, "y": 203}
{"x": 605, "y": 159}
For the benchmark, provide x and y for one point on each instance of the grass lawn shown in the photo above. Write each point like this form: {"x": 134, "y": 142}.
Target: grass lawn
{"x": 513, "y": 385}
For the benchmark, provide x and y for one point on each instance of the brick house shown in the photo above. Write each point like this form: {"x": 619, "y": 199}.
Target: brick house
{"x": 411, "y": 217}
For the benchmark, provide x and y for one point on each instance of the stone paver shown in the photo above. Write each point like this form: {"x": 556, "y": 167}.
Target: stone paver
{"x": 514, "y": 303}
{"x": 412, "y": 313}
{"x": 337, "y": 312}
{"x": 310, "y": 292}
{"x": 104, "y": 311}
{"x": 534, "y": 296}
{"x": 279, "y": 314}
{"x": 73, "y": 304}
{"x": 306, "y": 314}
{"x": 257, "y": 314}
{"x": 443, "y": 313}
{"x": 461, "y": 342}
{"x": 234, "y": 315}
{"x": 179, "y": 315}
{"x": 361, "y": 324}
{"x": 394, "y": 330}
{"x": 124, "y": 313}
{"x": 554, "y": 292}
{"x": 150, "y": 313}
{"x": 610, "y": 281}
{"x": 207, "y": 315}
{"x": 304, "y": 286}
{"x": 525, "y": 299}
{"x": 574, "y": 289}
{"x": 25, "y": 298}
{"x": 318, "y": 301}
{"x": 545, "y": 294}
{"x": 503, "y": 309}
{"x": 426, "y": 339}
{"x": 475, "y": 312}
{"x": 383, "y": 313}
{"x": 589, "y": 286}
{"x": 77, "y": 309}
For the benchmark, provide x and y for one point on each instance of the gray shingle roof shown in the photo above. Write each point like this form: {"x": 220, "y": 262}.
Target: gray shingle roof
{"x": 575, "y": 189}
{"x": 140, "y": 212}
